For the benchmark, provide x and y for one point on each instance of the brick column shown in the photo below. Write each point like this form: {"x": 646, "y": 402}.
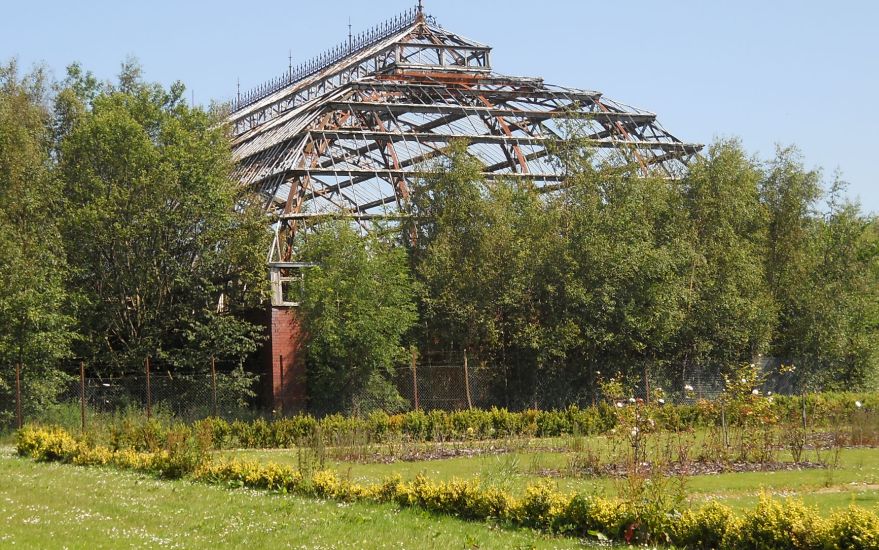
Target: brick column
{"x": 288, "y": 390}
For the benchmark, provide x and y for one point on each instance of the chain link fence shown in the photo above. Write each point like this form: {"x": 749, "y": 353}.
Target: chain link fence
{"x": 435, "y": 381}
{"x": 73, "y": 400}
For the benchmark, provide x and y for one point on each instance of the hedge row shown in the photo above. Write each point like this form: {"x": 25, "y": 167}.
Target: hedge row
{"x": 772, "y": 524}
{"x": 438, "y": 425}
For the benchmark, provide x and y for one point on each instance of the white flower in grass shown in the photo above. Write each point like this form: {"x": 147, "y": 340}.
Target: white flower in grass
{"x": 688, "y": 388}
{"x": 769, "y": 393}
{"x": 744, "y": 380}
{"x": 755, "y": 391}
{"x": 619, "y": 404}
{"x": 631, "y": 400}
{"x": 634, "y": 432}
{"x": 858, "y": 404}
{"x": 661, "y": 401}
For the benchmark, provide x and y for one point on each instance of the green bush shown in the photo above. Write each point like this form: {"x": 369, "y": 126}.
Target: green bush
{"x": 853, "y": 529}
{"x": 778, "y": 525}
{"x": 130, "y": 430}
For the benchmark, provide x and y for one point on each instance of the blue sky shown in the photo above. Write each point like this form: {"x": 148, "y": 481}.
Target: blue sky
{"x": 786, "y": 72}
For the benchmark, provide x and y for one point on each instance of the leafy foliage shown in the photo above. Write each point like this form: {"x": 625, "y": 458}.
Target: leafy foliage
{"x": 165, "y": 251}
{"x": 358, "y": 303}
{"x": 35, "y": 320}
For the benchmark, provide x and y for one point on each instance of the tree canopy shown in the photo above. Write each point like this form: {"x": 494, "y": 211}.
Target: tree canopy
{"x": 123, "y": 234}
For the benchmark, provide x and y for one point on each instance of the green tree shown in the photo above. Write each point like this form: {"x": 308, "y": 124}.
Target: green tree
{"x": 821, "y": 268}
{"x": 478, "y": 253}
{"x": 358, "y": 304}
{"x": 34, "y": 309}
{"x": 166, "y": 255}
{"x": 622, "y": 284}
{"x": 730, "y": 311}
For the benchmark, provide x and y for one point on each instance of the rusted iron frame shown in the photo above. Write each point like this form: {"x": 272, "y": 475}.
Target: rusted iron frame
{"x": 334, "y": 55}
{"x": 530, "y": 115}
{"x": 523, "y": 164}
{"x": 302, "y": 91}
{"x": 677, "y": 149}
{"x": 371, "y": 174}
{"x": 389, "y": 152}
{"x": 393, "y": 83}
{"x": 494, "y": 139}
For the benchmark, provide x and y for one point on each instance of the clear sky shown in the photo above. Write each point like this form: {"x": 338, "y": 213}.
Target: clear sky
{"x": 769, "y": 72}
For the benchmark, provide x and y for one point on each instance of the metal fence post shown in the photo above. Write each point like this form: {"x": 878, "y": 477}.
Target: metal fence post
{"x": 149, "y": 397}
{"x": 214, "y": 384}
{"x": 725, "y": 432}
{"x": 18, "y": 395}
{"x": 82, "y": 395}
{"x": 467, "y": 381}
{"x": 805, "y": 423}
{"x": 415, "y": 378}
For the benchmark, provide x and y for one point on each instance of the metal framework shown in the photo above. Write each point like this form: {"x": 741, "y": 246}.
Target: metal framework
{"x": 345, "y": 134}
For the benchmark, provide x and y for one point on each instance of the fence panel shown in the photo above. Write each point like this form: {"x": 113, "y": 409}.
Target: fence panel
{"x": 434, "y": 381}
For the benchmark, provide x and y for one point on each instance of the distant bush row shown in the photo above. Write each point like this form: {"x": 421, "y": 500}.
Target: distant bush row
{"x": 822, "y": 409}
{"x": 772, "y": 525}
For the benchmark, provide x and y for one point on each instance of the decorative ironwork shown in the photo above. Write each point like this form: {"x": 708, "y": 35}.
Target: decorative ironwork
{"x": 315, "y": 65}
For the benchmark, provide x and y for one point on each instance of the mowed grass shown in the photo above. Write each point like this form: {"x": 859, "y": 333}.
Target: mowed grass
{"x": 64, "y": 506}
{"x": 855, "y": 480}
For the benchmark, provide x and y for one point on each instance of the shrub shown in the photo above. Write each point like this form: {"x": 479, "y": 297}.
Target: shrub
{"x": 777, "y": 525}
{"x": 853, "y": 529}
{"x": 46, "y": 444}
{"x": 703, "y": 527}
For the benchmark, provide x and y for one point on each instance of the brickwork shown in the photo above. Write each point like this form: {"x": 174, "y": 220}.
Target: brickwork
{"x": 288, "y": 362}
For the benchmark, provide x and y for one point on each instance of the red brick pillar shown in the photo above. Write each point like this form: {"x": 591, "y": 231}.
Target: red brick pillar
{"x": 288, "y": 392}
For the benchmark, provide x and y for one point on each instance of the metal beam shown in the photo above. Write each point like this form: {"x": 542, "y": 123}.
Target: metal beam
{"x": 430, "y": 137}
{"x": 390, "y": 173}
{"x": 426, "y": 108}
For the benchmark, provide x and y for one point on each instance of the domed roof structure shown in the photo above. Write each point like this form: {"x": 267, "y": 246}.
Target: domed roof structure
{"x": 346, "y": 132}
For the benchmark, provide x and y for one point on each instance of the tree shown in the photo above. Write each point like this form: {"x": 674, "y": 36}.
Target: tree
{"x": 623, "y": 283}
{"x": 478, "y": 252}
{"x": 166, "y": 253}
{"x": 821, "y": 268}
{"x": 34, "y": 310}
{"x": 358, "y": 304}
{"x": 730, "y": 311}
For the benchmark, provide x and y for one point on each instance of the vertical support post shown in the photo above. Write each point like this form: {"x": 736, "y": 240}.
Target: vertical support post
{"x": 283, "y": 390}
{"x": 214, "y": 385}
{"x": 723, "y": 424}
{"x": 805, "y": 424}
{"x": 646, "y": 386}
{"x": 415, "y": 379}
{"x": 82, "y": 396}
{"x": 18, "y": 395}
{"x": 592, "y": 383}
{"x": 467, "y": 381}
{"x": 149, "y": 396}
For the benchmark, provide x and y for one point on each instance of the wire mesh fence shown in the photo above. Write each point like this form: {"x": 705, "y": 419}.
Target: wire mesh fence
{"x": 76, "y": 400}
{"x": 445, "y": 381}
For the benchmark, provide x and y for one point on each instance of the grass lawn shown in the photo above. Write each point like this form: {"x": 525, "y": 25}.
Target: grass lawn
{"x": 62, "y": 506}
{"x": 854, "y": 481}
